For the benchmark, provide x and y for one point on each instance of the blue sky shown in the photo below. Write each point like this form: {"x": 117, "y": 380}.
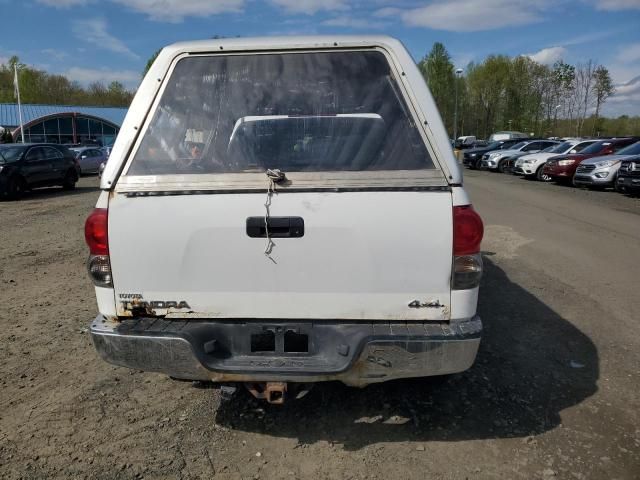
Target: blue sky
{"x": 106, "y": 40}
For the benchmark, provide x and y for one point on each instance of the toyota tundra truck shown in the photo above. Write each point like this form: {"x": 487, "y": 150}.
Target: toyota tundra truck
{"x": 282, "y": 211}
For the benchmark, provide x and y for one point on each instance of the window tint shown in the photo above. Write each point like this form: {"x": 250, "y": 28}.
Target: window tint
{"x": 36, "y": 154}
{"x": 337, "y": 111}
{"x": 597, "y": 147}
{"x": 532, "y": 146}
{"x": 633, "y": 149}
{"x": 82, "y": 126}
{"x": 582, "y": 146}
{"x": 37, "y": 128}
{"x": 51, "y": 126}
{"x": 66, "y": 126}
{"x": 51, "y": 154}
{"x": 562, "y": 147}
{"x": 11, "y": 153}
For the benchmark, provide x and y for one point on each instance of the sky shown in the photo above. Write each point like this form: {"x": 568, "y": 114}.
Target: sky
{"x": 105, "y": 40}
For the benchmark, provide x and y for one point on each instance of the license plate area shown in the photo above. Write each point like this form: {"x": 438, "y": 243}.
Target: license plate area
{"x": 279, "y": 339}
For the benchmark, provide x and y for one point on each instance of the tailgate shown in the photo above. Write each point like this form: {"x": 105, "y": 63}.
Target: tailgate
{"x": 363, "y": 256}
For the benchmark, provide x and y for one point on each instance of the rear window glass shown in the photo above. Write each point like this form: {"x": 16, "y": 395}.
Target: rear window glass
{"x": 596, "y": 147}
{"x": 582, "y": 146}
{"x": 10, "y": 154}
{"x": 633, "y": 149}
{"x": 298, "y": 112}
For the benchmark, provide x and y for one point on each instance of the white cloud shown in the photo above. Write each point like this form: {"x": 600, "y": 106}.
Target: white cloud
{"x": 94, "y": 30}
{"x": 311, "y": 7}
{"x": 88, "y": 75}
{"x": 63, "y": 3}
{"x": 175, "y": 11}
{"x": 626, "y": 100}
{"x": 616, "y": 5}
{"x": 475, "y": 15}
{"x": 588, "y": 37}
{"x": 629, "y": 53}
{"x": 56, "y": 54}
{"x": 548, "y": 56}
{"x": 351, "y": 22}
{"x": 388, "y": 12}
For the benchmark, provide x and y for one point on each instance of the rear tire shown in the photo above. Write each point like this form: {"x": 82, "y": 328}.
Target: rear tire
{"x": 70, "y": 179}
{"x": 540, "y": 176}
{"x": 16, "y": 188}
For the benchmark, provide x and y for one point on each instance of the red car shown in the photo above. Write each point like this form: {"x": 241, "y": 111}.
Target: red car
{"x": 561, "y": 168}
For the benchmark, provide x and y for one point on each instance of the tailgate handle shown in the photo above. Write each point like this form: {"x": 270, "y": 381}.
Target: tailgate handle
{"x": 279, "y": 227}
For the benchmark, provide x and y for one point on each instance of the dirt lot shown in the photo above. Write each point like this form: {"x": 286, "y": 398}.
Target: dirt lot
{"x": 554, "y": 393}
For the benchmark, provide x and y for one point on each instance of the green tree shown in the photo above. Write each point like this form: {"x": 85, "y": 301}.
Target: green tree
{"x": 152, "y": 59}
{"x": 37, "y": 86}
{"x": 603, "y": 89}
{"x": 438, "y": 71}
{"x": 487, "y": 83}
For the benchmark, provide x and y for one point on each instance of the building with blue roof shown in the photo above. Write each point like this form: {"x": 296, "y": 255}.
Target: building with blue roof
{"x": 63, "y": 124}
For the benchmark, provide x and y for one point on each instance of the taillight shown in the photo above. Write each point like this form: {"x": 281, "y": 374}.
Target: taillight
{"x": 96, "y": 232}
{"x": 467, "y": 235}
{"x": 97, "y": 237}
{"x": 467, "y": 230}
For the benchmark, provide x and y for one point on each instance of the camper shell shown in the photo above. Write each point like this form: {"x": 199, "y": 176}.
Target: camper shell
{"x": 285, "y": 210}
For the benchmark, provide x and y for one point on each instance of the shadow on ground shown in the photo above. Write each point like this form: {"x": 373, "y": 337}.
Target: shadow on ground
{"x": 532, "y": 365}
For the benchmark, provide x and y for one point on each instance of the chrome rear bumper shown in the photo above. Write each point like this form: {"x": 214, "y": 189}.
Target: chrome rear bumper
{"x": 223, "y": 351}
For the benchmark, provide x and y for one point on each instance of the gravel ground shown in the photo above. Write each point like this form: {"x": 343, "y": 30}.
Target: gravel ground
{"x": 554, "y": 392}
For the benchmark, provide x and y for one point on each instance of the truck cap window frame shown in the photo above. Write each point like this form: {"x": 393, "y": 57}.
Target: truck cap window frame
{"x": 354, "y": 138}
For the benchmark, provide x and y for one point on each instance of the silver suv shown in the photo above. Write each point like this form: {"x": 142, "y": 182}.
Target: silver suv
{"x": 602, "y": 171}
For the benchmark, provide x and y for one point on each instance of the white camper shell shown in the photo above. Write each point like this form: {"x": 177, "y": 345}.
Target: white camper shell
{"x": 285, "y": 210}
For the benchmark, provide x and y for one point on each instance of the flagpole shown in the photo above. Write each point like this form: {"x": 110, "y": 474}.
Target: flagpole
{"x": 15, "y": 78}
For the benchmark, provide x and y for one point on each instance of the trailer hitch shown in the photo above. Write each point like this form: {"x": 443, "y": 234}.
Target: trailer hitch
{"x": 276, "y": 393}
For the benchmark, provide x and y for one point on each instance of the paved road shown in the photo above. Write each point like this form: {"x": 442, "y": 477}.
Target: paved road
{"x": 554, "y": 393}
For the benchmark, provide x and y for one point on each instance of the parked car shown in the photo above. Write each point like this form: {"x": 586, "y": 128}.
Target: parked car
{"x": 473, "y": 156}
{"x": 507, "y": 135}
{"x": 230, "y": 293}
{"x": 532, "y": 165}
{"x": 89, "y": 159}
{"x": 25, "y": 166}
{"x": 628, "y": 180}
{"x": 498, "y": 159}
{"x": 467, "y": 141}
{"x": 562, "y": 168}
{"x": 601, "y": 172}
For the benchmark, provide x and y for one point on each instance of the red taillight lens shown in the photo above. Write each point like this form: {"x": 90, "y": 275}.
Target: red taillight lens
{"x": 95, "y": 232}
{"x": 467, "y": 230}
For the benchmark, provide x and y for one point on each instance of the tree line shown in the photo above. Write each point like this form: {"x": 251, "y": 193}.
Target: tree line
{"x": 504, "y": 93}
{"x": 500, "y": 93}
{"x": 38, "y": 86}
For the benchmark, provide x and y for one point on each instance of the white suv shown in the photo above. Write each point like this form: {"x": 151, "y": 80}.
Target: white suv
{"x": 285, "y": 211}
{"x": 532, "y": 165}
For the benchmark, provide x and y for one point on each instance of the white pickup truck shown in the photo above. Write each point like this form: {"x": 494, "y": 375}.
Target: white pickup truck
{"x": 283, "y": 211}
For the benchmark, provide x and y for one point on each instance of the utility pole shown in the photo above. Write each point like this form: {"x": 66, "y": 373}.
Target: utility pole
{"x": 455, "y": 111}
{"x": 16, "y": 86}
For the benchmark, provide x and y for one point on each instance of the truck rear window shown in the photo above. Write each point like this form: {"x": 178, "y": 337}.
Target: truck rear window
{"x": 298, "y": 112}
